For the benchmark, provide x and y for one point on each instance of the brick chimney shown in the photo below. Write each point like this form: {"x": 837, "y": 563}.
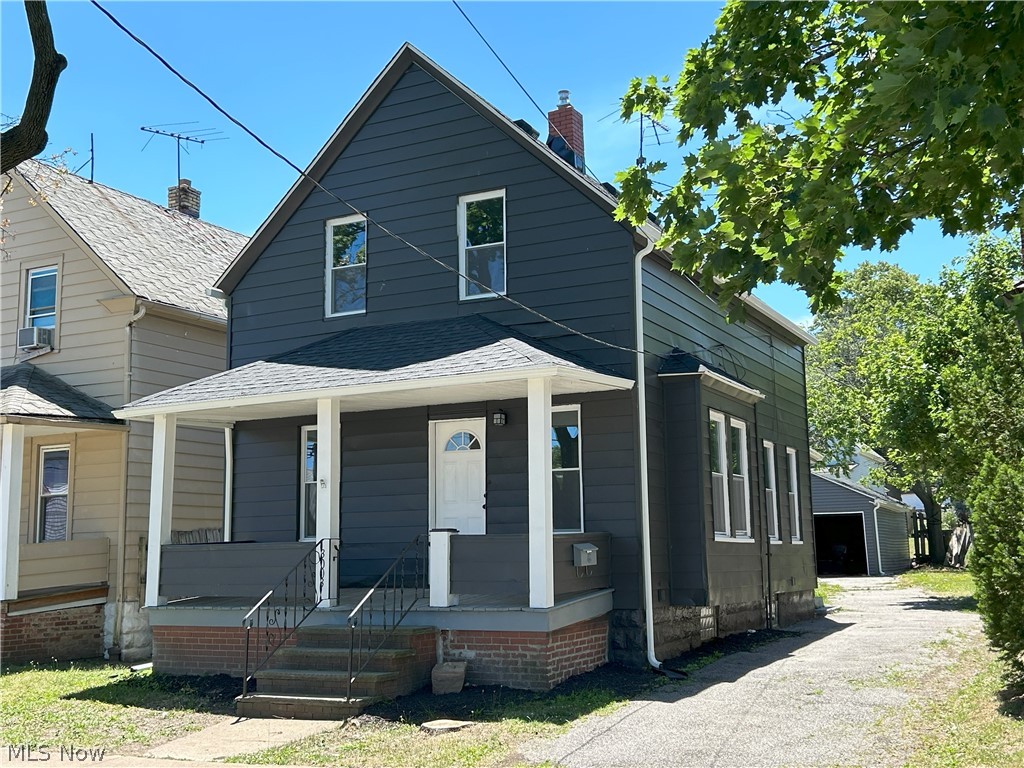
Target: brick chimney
{"x": 184, "y": 199}
{"x": 565, "y": 132}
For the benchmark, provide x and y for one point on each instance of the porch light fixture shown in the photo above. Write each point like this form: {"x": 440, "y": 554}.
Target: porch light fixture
{"x": 499, "y": 418}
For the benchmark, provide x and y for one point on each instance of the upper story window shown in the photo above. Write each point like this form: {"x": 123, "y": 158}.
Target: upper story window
{"x": 41, "y": 306}
{"x": 730, "y": 476}
{"x": 482, "y": 244}
{"x": 346, "y": 266}
{"x": 566, "y": 470}
{"x": 793, "y": 481}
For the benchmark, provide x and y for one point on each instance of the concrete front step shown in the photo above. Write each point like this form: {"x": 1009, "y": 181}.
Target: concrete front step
{"x": 326, "y": 636}
{"x": 316, "y": 682}
{"x": 301, "y": 707}
{"x": 336, "y": 659}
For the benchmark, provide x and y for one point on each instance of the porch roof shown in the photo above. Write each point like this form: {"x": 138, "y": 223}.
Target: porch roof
{"x": 28, "y": 394}
{"x": 452, "y": 360}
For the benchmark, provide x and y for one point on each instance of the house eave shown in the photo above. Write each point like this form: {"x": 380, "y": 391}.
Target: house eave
{"x": 723, "y": 384}
{"x": 489, "y": 385}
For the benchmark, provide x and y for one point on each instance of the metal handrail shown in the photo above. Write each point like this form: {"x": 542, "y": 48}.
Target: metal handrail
{"x": 301, "y": 591}
{"x": 392, "y": 585}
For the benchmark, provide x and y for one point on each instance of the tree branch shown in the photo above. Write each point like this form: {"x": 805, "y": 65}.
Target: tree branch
{"x": 28, "y": 138}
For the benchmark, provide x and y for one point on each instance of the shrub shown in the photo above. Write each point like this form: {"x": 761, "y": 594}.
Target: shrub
{"x": 997, "y": 506}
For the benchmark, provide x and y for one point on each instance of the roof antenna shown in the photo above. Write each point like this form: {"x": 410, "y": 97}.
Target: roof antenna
{"x": 196, "y": 136}
{"x": 91, "y": 162}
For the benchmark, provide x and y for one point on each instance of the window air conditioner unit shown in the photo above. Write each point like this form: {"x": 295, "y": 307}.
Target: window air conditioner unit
{"x": 35, "y": 338}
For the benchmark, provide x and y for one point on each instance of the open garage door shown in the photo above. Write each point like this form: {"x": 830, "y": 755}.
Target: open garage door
{"x": 839, "y": 545}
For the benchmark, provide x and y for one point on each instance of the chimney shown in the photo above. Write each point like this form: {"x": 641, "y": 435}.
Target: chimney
{"x": 565, "y": 132}
{"x": 184, "y": 199}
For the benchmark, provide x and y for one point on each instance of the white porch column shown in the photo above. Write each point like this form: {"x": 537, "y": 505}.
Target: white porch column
{"x": 440, "y": 573}
{"x": 11, "y": 465}
{"x": 161, "y": 498}
{"x": 328, "y": 487}
{"x": 229, "y": 481}
{"x": 538, "y": 438}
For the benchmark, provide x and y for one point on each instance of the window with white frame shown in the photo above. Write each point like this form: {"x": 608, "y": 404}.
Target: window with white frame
{"x": 52, "y": 509}
{"x": 566, "y": 470}
{"x": 307, "y": 489}
{"x": 771, "y": 489}
{"x": 739, "y": 483}
{"x": 719, "y": 474}
{"x": 481, "y": 223}
{"x": 346, "y": 266}
{"x": 41, "y": 293}
{"x": 793, "y": 483}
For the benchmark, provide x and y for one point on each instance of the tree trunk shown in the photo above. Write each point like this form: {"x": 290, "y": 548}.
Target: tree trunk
{"x": 28, "y": 138}
{"x": 933, "y": 514}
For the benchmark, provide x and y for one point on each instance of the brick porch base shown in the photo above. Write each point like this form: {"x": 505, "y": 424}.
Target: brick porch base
{"x": 62, "y": 634}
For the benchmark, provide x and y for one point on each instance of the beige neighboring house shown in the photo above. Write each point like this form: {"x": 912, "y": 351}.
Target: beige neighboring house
{"x": 103, "y": 301}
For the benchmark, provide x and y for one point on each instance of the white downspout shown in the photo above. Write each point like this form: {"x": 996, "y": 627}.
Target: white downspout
{"x": 878, "y": 545}
{"x": 645, "y": 509}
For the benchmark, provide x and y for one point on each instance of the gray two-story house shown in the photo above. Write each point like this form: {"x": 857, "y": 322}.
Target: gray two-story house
{"x": 442, "y": 334}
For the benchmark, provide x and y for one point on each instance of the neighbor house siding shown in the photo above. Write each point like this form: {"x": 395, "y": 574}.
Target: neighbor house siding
{"x": 406, "y": 167}
{"x": 831, "y": 498}
{"x": 893, "y": 540}
{"x": 678, "y": 315}
{"x": 166, "y": 352}
{"x": 90, "y": 341}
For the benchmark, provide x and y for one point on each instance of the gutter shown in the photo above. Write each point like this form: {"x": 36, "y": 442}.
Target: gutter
{"x": 645, "y": 509}
{"x": 878, "y": 544}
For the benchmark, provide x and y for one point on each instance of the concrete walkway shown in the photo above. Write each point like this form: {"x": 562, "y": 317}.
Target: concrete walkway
{"x": 819, "y": 699}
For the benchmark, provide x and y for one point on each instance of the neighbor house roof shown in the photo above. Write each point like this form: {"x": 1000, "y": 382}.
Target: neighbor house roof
{"x": 406, "y": 57}
{"x": 863, "y": 490}
{"x": 375, "y": 356}
{"x": 30, "y": 392}
{"x": 158, "y": 254}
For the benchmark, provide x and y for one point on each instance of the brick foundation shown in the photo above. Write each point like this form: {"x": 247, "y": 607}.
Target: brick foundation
{"x": 530, "y": 660}
{"x": 62, "y": 634}
{"x": 199, "y": 650}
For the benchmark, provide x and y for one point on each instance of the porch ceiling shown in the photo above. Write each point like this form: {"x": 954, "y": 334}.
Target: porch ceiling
{"x": 465, "y": 359}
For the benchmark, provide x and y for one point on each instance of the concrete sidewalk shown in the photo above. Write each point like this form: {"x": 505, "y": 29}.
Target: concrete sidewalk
{"x": 238, "y": 736}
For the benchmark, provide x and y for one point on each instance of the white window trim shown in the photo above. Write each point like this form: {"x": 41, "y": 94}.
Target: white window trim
{"x": 330, "y": 268}
{"x": 723, "y": 463}
{"x": 772, "y": 473}
{"x": 793, "y": 483}
{"x": 303, "y": 439}
{"x": 27, "y": 317}
{"x": 579, "y": 471}
{"x": 461, "y": 223}
{"x": 745, "y": 462}
{"x": 43, "y": 450}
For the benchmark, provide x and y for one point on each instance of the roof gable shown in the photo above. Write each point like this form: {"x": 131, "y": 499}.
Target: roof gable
{"x": 158, "y": 254}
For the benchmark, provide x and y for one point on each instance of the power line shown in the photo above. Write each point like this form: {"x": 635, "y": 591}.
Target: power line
{"x": 515, "y": 302}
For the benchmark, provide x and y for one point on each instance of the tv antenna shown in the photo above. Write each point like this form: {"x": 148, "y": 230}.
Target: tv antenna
{"x": 195, "y": 136}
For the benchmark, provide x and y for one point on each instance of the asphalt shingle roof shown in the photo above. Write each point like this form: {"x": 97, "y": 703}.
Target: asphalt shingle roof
{"x": 679, "y": 361}
{"x": 160, "y": 254}
{"x": 26, "y": 390}
{"x": 378, "y": 354}
{"x": 852, "y": 485}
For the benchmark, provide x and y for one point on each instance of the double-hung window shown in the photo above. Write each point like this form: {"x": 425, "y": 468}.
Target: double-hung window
{"x": 54, "y": 467}
{"x": 771, "y": 490}
{"x": 308, "y": 484}
{"x": 793, "y": 482}
{"x": 730, "y": 476}
{"x": 41, "y": 306}
{"x": 481, "y": 222}
{"x": 346, "y": 266}
{"x": 566, "y": 470}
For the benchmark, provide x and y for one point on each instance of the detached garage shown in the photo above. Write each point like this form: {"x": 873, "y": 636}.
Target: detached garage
{"x": 857, "y": 531}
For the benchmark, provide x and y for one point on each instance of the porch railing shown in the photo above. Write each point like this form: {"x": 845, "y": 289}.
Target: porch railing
{"x": 376, "y": 617}
{"x": 277, "y": 615}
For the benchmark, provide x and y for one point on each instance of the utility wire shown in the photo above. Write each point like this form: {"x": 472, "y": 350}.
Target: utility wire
{"x": 347, "y": 204}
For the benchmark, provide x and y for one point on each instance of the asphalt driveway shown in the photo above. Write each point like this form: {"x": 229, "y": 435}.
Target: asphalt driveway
{"x": 820, "y": 698}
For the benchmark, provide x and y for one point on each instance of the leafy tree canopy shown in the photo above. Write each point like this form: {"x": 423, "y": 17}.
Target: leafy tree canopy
{"x": 903, "y": 110}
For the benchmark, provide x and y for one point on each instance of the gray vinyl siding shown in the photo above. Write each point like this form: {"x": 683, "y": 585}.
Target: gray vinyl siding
{"x": 385, "y": 481}
{"x": 407, "y": 166}
{"x": 832, "y": 498}
{"x": 678, "y": 315}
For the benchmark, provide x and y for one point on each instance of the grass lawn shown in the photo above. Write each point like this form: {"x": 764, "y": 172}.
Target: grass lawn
{"x": 826, "y": 591}
{"x": 93, "y": 704}
{"x": 941, "y": 582}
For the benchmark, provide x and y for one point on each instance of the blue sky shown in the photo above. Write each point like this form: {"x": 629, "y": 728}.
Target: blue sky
{"x": 292, "y": 71}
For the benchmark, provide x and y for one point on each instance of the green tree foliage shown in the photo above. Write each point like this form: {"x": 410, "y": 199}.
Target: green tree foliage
{"x": 903, "y": 110}
{"x": 998, "y": 558}
{"x": 929, "y": 375}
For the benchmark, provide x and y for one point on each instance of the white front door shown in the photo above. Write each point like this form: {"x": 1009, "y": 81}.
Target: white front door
{"x": 460, "y": 475}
